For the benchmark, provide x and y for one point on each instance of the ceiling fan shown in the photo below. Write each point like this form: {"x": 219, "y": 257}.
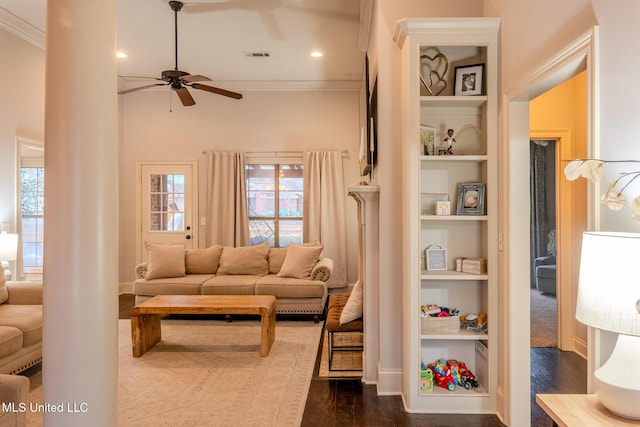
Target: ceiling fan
{"x": 179, "y": 80}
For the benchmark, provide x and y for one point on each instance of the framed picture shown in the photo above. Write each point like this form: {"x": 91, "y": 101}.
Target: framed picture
{"x": 427, "y": 140}
{"x": 470, "y": 199}
{"x": 436, "y": 258}
{"x": 443, "y": 208}
{"x": 469, "y": 80}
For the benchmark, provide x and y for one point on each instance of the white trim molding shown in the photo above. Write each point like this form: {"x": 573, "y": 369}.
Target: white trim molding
{"x": 22, "y": 29}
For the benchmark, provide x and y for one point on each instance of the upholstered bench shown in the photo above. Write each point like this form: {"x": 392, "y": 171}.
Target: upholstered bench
{"x": 332, "y": 325}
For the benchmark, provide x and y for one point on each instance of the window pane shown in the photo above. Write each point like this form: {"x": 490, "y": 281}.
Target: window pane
{"x": 290, "y": 231}
{"x": 275, "y": 197}
{"x": 262, "y": 230}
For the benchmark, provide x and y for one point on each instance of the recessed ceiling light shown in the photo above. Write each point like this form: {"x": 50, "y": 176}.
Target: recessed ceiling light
{"x": 121, "y": 55}
{"x": 317, "y": 54}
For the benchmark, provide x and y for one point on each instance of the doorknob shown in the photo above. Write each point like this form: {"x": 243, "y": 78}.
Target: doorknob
{"x": 188, "y": 236}
{"x": 188, "y": 227}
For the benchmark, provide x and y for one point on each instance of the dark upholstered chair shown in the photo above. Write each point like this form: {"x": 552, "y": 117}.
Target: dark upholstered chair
{"x": 545, "y": 271}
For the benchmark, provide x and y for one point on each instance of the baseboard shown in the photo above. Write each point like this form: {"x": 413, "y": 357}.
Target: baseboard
{"x": 580, "y": 347}
{"x": 389, "y": 382}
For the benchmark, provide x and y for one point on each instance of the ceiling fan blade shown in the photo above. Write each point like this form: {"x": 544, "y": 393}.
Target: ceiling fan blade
{"x": 218, "y": 91}
{"x": 135, "y": 89}
{"x": 195, "y": 78}
{"x": 185, "y": 97}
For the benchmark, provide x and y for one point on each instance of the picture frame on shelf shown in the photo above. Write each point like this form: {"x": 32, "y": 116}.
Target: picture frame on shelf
{"x": 469, "y": 80}
{"x": 443, "y": 208}
{"x": 471, "y": 199}
{"x": 427, "y": 140}
{"x": 436, "y": 257}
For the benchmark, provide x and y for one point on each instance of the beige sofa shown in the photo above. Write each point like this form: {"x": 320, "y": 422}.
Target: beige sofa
{"x": 20, "y": 325}
{"x": 295, "y": 275}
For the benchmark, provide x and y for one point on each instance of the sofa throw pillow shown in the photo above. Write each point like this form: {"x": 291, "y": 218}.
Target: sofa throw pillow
{"x": 352, "y": 310}
{"x": 299, "y": 261}
{"x": 202, "y": 261}
{"x": 276, "y": 258}
{"x": 164, "y": 261}
{"x": 245, "y": 260}
{"x": 4, "y": 294}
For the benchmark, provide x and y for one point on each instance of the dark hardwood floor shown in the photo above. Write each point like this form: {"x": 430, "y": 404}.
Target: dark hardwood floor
{"x": 348, "y": 402}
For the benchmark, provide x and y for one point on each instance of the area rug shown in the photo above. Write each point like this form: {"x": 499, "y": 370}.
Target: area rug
{"x": 544, "y": 320}
{"x": 209, "y": 373}
{"x": 349, "y": 362}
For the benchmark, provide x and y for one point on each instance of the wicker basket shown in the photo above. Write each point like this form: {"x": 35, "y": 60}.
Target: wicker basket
{"x": 440, "y": 325}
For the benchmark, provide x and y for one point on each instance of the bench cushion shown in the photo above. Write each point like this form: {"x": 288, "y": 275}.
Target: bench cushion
{"x": 336, "y": 304}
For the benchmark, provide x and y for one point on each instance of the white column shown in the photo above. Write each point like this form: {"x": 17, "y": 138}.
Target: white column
{"x": 367, "y": 197}
{"x": 80, "y": 334}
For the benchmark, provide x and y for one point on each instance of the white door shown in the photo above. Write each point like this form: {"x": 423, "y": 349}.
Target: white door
{"x": 167, "y": 205}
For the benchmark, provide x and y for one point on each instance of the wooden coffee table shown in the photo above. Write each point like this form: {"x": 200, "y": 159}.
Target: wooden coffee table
{"x": 145, "y": 318}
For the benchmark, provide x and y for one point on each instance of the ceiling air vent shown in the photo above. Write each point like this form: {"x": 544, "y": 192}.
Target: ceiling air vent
{"x": 257, "y": 54}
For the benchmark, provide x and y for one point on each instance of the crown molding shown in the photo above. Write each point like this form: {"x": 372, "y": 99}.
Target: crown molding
{"x": 22, "y": 29}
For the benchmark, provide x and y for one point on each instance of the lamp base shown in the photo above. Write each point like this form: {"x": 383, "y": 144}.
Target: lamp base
{"x": 617, "y": 382}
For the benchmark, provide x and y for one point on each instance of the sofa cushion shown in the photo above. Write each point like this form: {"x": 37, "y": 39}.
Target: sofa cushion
{"x": 26, "y": 318}
{"x": 164, "y": 261}
{"x": 202, "y": 261}
{"x": 4, "y": 295}
{"x": 276, "y": 258}
{"x": 187, "y": 285}
{"x": 10, "y": 340}
{"x": 245, "y": 260}
{"x": 289, "y": 287}
{"x": 353, "y": 308}
{"x": 299, "y": 261}
{"x": 237, "y": 284}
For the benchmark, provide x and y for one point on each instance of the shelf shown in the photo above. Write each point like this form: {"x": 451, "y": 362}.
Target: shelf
{"x": 458, "y": 392}
{"x": 456, "y": 158}
{"x": 453, "y": 101}
{"x": 461, "y": 336}
{"x": 451, "y": 275}
{"x": 453, "y": 217}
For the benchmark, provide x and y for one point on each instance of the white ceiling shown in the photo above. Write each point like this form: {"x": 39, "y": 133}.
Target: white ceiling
{"x": 214, "y": 35}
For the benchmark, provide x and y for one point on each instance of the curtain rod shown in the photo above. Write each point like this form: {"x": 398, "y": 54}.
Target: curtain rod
{"x": 345, "y": 153}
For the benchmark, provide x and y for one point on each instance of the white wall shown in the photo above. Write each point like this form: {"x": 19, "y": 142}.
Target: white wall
{"x": 261, "y": 121}
{"x": 21, "y": 110}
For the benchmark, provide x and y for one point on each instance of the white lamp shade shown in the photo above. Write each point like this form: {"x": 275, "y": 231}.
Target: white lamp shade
{"x": 609, "y": 286}
{"x": 8, "y": 247}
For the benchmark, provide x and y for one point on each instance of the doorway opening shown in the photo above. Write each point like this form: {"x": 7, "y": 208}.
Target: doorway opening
{"x": 542, "y": 181}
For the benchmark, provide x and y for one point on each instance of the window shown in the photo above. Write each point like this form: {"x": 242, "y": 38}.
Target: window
{"x": 32, "y": 218}
{"x": 274, "y": 199}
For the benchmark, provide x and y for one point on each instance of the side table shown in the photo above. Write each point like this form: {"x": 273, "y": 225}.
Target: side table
{"x": 579, "y": 410}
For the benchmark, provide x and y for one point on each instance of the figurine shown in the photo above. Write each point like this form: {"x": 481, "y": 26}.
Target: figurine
{"x": 449, "y": 140}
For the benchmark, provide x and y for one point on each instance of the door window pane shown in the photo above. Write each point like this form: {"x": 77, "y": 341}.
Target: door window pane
{"x": 166, "y": 202}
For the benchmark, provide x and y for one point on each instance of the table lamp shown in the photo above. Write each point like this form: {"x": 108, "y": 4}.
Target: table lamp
{"x": 8, "y": 251}
{"x": 609, "y": 299}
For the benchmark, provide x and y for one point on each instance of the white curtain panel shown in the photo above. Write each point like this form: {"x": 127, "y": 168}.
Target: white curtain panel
{"x": 324, "y": 209}
{"x": 227, "y": 214}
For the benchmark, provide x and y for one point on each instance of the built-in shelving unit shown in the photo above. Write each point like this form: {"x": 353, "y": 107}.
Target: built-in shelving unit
{"x": 463, "y": 42}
